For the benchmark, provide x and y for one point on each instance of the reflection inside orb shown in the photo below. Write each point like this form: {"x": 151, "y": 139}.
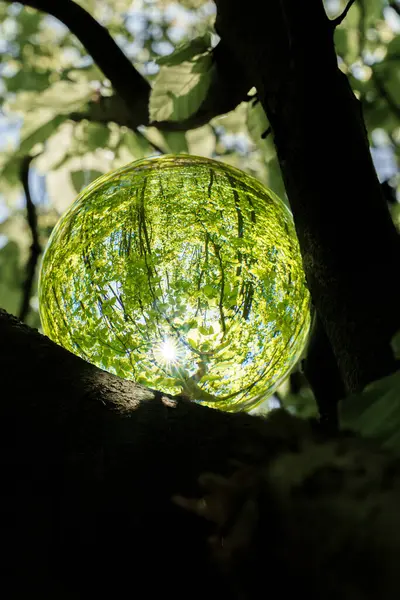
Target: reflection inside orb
{"x": 182, "y": 274}
{"x": 166, "y": 353}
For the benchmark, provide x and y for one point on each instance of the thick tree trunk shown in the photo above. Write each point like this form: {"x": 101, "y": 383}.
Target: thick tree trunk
{"x": 347, "y": 238}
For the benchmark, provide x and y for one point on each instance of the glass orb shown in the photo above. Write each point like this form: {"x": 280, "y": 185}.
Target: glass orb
{"x": 183, "y": 274}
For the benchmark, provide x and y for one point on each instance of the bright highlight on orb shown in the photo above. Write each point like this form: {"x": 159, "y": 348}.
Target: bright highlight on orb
{"x": 183, "y": 274}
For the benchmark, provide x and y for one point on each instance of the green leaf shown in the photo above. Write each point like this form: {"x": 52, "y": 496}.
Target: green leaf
{"x": 176, "y": 141}
{"x": 11, "y": 166}
{"x": 192, "y": 342}
{"x": 81, "y": 179}
{"x": 29, "y": 80}
{"x": 179, "y": 91}
{"x": 375, "y": 412}
{"x": 44, "y": 113}
{"x": 136, "y": 144}
{"x": 62, "y": 96}
{"x": 209, "y": 291}
{"x": 201, "y": 141}
{"x": 187, "y": 51}
{"x": 39, "y": 135}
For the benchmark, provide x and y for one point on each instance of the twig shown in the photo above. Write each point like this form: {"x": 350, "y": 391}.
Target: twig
{"x": 35, "y": 249}
{"x": 266, "y": 133}
{"x": 342, "y": 16}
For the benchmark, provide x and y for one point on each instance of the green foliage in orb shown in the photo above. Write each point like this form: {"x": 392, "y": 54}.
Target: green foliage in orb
{"x": 183, "y": 274}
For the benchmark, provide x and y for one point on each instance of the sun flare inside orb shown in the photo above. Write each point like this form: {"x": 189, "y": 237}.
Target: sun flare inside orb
{"x": 183, "y": 274}
{"x": 167, "y": 352}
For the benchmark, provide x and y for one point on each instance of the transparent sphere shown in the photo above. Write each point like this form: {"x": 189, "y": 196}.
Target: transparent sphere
{"x": 183, "y": 274}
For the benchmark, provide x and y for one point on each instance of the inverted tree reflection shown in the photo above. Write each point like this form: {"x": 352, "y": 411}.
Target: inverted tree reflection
{"x": 183, "y": 274}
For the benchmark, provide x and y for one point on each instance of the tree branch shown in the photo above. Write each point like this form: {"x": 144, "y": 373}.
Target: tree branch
{"x": 228, "y": 88}
{"x": 98, "y": 475}
{"x": 266, "y": 133}
{"x": 130, "y": 86}
{"x": 35, "y": 248}
{"x": 89, "y": 465}
{"x": 343, "y": 15}
{"x": 130, "y": 105}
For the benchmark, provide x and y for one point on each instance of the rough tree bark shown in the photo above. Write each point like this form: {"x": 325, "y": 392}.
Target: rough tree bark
{"x": 90, "y": 462}
{"x": 347, "y": 238}
{"x": 90, "y": 465}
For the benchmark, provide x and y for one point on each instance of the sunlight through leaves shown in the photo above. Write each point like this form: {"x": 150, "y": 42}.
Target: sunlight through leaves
{"x": 181, "y": 273}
